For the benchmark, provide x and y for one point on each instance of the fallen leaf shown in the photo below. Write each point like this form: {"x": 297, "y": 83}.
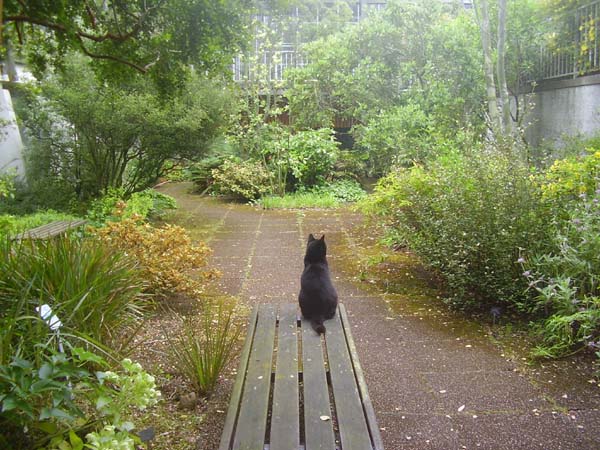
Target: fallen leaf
{"x": 461, "y": 409}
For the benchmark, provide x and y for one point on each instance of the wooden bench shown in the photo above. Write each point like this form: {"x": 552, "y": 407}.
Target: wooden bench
{"x": 50, "y": 230}
{"x": 295, "y": 390}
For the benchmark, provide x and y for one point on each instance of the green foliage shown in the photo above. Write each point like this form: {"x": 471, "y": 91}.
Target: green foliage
{"x": 244, "y": 180}
{"x": 7, "y": 186}
{"x": 94, "y": 292}
{"x": 312, "y": 155}
{"x": 202, "y": 172}
{"x": 390, "y": 59}
{"x": 205, "y": 345}
{"x": 89, "y": 136}
{"x": 329, "y": 195}
{"x": 300, "y": 200}
{"x": 115, "y": 205}
{"x": 398, "y": 137}
{"x": 155, "y": 37}
{"x": 344, "y": 191}
{"x": 568, "y": 179}
{"x": 46, "y": 403}
{"x": 302, "y": 159}
{"x": 567, "y": 281}
{"x": 466, "y": 217}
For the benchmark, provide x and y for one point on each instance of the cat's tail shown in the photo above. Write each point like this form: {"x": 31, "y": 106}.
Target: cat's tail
{"x": 317, "y": 324}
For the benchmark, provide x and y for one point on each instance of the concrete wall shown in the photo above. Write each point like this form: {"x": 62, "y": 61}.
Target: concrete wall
{"x": 564, "y": 107}
{"x": 11, "y": 145}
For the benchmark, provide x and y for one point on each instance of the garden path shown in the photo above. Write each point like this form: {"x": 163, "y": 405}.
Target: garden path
{"x": 435, "y": 382}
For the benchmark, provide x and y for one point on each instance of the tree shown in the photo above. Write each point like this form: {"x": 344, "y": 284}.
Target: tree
{"x": 89, "y": 136}
{"x": 138, "y": 34}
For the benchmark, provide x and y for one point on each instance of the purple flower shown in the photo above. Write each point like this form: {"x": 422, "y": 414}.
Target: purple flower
{"x": 583, "y": 195}
{"x": 521, "y": 260}
{"x": 527, "y": 273}
{"x": 576, "y": 221}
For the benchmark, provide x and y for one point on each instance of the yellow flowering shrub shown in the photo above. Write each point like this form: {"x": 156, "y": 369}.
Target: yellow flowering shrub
{"x": 569, "y": 178}
{"x": 166, "y": 255}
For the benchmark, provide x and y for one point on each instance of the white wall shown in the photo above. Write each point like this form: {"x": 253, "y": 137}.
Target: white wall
{"x": 567, "y": 107}
{"x": 11, "y": 145}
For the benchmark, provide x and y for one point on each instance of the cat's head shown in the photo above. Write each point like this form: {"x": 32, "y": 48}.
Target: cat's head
{"x": 316, "y": 249}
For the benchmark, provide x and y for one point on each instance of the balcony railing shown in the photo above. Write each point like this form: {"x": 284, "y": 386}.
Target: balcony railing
{"x": 572, "y": 44}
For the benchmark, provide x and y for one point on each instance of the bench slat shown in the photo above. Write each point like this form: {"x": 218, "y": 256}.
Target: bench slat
{"x": 285, "y": 420}
{"x": 362, "y": 384}
{"x": 354, "y": 433}
{"x": 51, "y": 229}
{"x": 318, "y": 433}
{"x": 252, "y": 421}
{"x": 236, "y": 394}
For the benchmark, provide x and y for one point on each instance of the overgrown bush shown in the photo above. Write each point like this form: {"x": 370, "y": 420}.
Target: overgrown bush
{"x": 312, "y": 155}
{"x": 115, "y": 205}
{"x": 59, "y": 402}
{"x": 244, "y": 180}
{"x": 467, "y": 217}
{"x": 566, "y": 277}
{"x": 166, "y": 255}
{"x": 202, "y": 172}
{"x": 342, "y": 190}
{"x": 400, "y": 136}
{"x": 205, "y": 344}
{"x": 93, "y": 290}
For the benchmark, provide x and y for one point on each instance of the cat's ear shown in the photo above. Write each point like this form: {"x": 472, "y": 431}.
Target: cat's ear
{"x": 322, "y": 238}
{"x": 311, "y": 238}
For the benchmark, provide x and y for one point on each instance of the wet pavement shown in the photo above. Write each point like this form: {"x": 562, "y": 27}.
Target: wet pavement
{"x": 435, "y": 383}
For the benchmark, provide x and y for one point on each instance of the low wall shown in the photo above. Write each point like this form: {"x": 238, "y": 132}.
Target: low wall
{"x": 563, "y": 107}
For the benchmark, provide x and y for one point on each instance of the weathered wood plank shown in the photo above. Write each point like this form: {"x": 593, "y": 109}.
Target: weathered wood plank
{"x": 362, "y": 384}
{"x": 252, "y": 420}
{"x": 236, "y": 394}
{"x": 49, "y": 230}
{"x": 318, "y": 433}
{"x": 285, "y": 419}
{"x": 354, "y": 433}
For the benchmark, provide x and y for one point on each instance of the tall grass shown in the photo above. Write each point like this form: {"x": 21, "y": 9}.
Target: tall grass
{"x": 93, "y": 291}
{"x": 204, "y": 345}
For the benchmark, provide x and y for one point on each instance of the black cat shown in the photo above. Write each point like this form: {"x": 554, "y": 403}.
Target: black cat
{"x": 318, "y": 298}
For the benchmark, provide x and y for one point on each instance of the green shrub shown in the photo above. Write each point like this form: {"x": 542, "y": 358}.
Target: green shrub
{"x": 312, "y": 155}
{"x": 55, "y": 401}
{"x": 244, "y": 180}
{"x": 300, "y": 200}
{"x": 7, "y": 186}
{"x": 343, "y": 190}
{"x": 202, "y": 172}
{"x": 204, "y": 345}
{"x": 467, "y": 217}
{"x": 568, "y": 179}
{"x": 115, "y": 206}
{"x": 93, "y": 290}
{"x": 567, "y": 282}
{"x": 401, "y": 136}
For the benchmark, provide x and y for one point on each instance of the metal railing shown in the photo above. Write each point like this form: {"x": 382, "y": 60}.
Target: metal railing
{"x": 571, "y": 45}
{"x": 267, "y": 65}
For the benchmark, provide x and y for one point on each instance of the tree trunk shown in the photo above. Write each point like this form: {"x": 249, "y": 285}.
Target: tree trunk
{"x": 488, "y": 68}
{"x": 501, "y": 72}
